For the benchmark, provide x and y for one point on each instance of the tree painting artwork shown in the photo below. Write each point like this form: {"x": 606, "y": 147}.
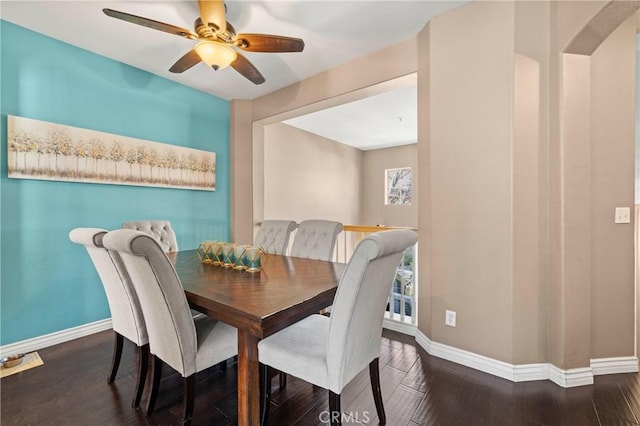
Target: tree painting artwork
{"x": 398, "y": 186}
{"x": 48, "y": 151}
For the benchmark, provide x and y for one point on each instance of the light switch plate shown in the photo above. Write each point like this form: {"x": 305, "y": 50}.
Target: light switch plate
{"x": 623, "y": 215}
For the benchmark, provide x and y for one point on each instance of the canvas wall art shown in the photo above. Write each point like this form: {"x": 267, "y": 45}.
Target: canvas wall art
{"x": 49, "y": 151}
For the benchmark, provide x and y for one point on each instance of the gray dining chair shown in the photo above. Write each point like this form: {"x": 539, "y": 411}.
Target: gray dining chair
{"x": 126, "y": 314}
{"x": 175, "y": 338}
{"x": 316, "y": 239}
{"x": 330, "y": 351}
{"x": 165, "y": 236}
{"x": 273, "y": 236}
{"x": 160, "y": 230}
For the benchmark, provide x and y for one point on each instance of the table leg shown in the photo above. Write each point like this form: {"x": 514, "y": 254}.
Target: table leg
{"x": 248, "y": 380}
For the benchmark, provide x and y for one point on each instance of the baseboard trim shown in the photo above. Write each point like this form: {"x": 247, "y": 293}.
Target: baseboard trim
{"x": 423, "y": 341}
{"x": 466, "y": 358}
{"x": 51, "y": 339}
{"x": 570, "y": 378}
{"x": 614, "y": 365}
{"x": 527, "y": 372}
{"x": 403, "y": 328}
{"x": 530, "y": 372}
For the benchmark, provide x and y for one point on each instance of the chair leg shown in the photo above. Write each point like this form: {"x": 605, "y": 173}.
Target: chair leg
{"x": 143, "y": 363}
{"x": 374, "y": 373}
{"x": 334, "y": 409}
{"x": 189, "y": 394}
{"x": 156, "y": 373}
{"x": 117, "y": 354}
{"x": 282, "y": 377}
{"x": 266, "y": 394}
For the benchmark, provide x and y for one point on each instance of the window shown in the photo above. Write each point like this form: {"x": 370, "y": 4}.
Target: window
{"x": 398, "y": 186}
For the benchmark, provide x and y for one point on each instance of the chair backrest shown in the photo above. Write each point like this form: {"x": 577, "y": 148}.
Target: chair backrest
{"x": 273, "y": 235}
{"x": 316, "y": 239}
{"x": 172, "y": 333}
{"x": 126, "y": 313}
{"x": 159, "y": 230}
{"x": 355, "y": 331}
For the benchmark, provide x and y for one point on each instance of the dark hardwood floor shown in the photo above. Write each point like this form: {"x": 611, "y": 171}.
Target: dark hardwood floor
{"x": 71, "y": 389}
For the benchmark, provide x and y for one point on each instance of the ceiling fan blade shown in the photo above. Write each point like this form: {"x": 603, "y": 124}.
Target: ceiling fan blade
{"x": 268, "y": 43}
{"x": 187, "y": 61}
{"x": 247, "y": 69}
{"x": 212, "y": 12}
{"x": 150, "y": 23}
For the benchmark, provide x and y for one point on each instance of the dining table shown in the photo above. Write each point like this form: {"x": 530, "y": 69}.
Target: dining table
{"x": 286, "y": 290}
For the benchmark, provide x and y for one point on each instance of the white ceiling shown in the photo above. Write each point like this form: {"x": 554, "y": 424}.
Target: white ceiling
{"x": 334, "y": 32}
{"x": 380, "y": 121}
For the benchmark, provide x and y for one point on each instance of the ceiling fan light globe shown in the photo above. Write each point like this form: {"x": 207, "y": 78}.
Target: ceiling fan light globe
{"x": 214, "y": 54}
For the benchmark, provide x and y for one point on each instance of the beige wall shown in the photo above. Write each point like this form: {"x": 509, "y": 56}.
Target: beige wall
{"x": 307, "y": 176}
{"x": 469, "y": 228}
{"x": 374, "y": 211}
{"x": 637, "y": 199}
{"x": 529, "y": 283}
{"x": 580, "y": 317}
{"x": 612, "y": 177}
{"x": 574, "y": 296}
{"x": 530, "y": 185}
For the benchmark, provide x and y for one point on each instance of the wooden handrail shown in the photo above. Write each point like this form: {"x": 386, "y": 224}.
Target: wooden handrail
{"x": 377, "y": 228}
{"x": 368, "y": 228}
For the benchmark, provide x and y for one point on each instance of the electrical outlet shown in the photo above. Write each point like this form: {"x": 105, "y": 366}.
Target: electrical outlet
{"x": 450, "y": 318}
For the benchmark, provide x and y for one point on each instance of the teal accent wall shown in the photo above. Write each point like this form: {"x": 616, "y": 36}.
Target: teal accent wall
{"x": 47, "y": 283}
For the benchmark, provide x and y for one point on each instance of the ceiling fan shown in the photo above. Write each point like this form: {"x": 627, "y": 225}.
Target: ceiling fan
{"x": 216, "y": 39}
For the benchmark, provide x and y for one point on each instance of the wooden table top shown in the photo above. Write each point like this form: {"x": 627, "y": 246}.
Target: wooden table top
{"x": 285, "y": 291}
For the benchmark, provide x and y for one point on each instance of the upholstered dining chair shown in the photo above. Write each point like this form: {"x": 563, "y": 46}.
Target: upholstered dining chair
{"x": 163, "y": 233}
{"x": 126, "y": 314}
{"x": 273, "y": 235}
{"x": 159, "y": 230}
{"x": 175, "y": 338}
{"x": 316, "y": 239}
{"x": 330, "y": 351}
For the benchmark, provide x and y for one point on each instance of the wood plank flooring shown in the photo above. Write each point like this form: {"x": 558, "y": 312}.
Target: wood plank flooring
{"x": 71, "y": 389}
